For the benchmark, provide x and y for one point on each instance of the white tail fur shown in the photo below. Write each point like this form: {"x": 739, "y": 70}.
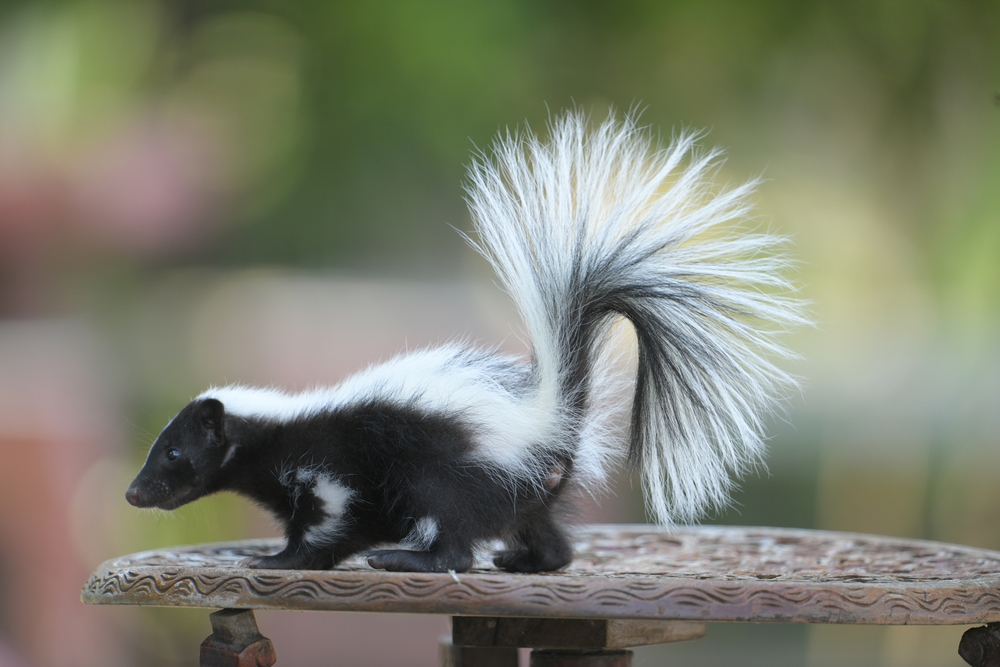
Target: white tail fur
{"x": 597, "y": 223}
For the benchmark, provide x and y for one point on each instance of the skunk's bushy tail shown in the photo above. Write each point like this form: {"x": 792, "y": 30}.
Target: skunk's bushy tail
{"x": 597, "y": 223}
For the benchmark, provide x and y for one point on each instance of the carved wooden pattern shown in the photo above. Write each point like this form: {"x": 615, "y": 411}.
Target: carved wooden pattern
{"x": 698, "y": 573}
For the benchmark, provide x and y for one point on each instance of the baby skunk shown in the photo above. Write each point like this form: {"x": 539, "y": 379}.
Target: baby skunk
{"x": 443, "y": 450}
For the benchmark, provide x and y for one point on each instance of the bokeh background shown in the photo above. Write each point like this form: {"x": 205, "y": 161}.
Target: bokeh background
{"x": 264, "y": 192}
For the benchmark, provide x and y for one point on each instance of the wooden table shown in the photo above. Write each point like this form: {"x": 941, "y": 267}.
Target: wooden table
{"x": 628, "y": 586}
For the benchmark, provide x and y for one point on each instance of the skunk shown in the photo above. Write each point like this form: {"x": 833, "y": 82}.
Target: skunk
{"x": 443, "y": 451}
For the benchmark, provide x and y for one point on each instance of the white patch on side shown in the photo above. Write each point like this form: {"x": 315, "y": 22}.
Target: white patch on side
{"x": 423, "y": 534}
{"x": 335, "y": 497}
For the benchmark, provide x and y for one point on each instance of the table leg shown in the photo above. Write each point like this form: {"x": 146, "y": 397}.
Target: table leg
{"x": 236, "y": 642}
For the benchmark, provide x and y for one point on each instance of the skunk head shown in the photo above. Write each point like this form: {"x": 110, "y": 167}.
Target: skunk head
{"x": 185, "y": 460}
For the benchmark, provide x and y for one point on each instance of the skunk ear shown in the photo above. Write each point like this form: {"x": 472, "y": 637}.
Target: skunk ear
{"x": 212, "y": 415}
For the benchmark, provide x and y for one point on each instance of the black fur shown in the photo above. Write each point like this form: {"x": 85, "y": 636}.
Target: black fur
{"x": 399, "y": 464}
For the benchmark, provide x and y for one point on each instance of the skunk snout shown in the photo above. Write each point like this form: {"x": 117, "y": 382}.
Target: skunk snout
{"x": 132, "y": 495}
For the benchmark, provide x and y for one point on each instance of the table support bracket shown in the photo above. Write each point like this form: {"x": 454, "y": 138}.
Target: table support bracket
{"x": 980, "y": 647}
{"x": 236, "y": 642}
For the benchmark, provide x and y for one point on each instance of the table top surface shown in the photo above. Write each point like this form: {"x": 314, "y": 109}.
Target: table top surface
{"x": 706, "y": 573}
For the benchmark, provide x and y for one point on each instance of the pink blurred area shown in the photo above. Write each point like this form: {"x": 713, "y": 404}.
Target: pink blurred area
{"x": 111, "y": 153}
{"x": 56, "y": 420}
{"x": 146, "y": 189}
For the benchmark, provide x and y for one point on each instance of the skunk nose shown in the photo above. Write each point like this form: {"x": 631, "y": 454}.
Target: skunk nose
{"x": 132, "y": 496}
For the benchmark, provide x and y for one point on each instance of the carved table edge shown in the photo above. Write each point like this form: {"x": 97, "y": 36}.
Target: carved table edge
{"x": 957, "y": 601}
{"x": 638, "y": 597}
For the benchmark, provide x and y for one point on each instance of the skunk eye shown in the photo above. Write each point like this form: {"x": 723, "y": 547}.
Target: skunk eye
{"x": 172, "y": 454}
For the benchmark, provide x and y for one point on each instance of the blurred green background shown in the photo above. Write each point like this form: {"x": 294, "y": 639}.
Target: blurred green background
{"x": 209, "y": 192}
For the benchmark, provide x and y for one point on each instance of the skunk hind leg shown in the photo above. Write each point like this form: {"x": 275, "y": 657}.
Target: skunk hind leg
{"x": 539, "y": 545}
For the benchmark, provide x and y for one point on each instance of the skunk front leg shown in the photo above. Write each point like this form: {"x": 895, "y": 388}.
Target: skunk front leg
{"x": 297, "y": 555}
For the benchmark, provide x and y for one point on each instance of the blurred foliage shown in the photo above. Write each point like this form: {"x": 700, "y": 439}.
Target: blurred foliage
{"x": 394, "y": 96}
{"x": 400, "y": 92}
